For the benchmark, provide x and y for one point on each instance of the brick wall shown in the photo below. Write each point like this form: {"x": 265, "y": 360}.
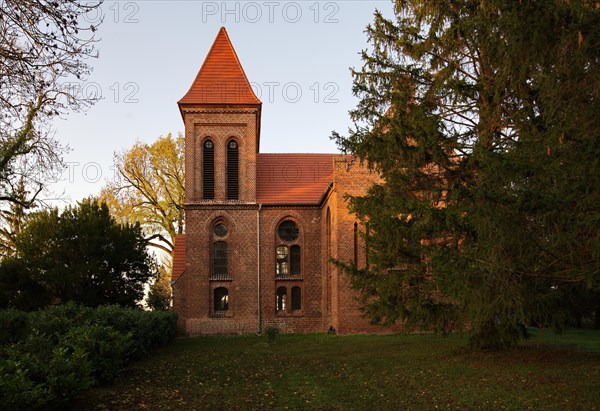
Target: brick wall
{"x": 199, "y": 283}
{"x": 309, "y": 318}
{"x": 350, "y": 178}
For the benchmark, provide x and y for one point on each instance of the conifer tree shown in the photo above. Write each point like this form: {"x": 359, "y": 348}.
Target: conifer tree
{"x": 482, "y": 119}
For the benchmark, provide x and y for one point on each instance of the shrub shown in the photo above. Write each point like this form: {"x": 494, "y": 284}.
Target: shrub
{"x": 68, "y": 374}
{"x": 57, "y": 320}
{"x": 272, "y": 331}
{"x": 38, "y": 381}
{"x": 18, "y": 389}
{"x": 14, "y": 325}
{"x": 148, "y": 329}
{"x": 50, "y": 357}
{"x": 107, "y": 350}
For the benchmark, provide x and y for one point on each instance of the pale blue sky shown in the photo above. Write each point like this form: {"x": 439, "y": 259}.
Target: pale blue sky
{"x": 150, "y": 52}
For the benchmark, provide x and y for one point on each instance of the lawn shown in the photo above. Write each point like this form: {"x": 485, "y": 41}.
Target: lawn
{"x": 362, "y": 372}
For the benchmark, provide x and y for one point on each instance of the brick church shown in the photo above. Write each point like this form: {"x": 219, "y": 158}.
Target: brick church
{"x": 261, "y": 228}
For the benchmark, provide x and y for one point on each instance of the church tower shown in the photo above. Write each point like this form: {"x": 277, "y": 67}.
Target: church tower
{"x": 222, "y": 129}
{"x": 221, "y": 114}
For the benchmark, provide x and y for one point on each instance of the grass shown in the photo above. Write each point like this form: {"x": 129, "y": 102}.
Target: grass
{"x": 362, "y": 372}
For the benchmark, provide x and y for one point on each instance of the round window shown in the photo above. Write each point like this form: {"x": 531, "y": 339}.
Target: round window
{"x": 288, "y": 231}
{"x": 220, "y": 230}
{"x": 232, "y": 144}
{"x": 208, "y": 144}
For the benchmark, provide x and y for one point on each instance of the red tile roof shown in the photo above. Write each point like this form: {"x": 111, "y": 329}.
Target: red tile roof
{"x": 292, "y": 178}
{"x": 178, "y": 257}
{"x": 221, "y": 79}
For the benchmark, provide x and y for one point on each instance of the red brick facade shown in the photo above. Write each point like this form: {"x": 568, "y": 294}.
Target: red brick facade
{"x": 240, "y": 273}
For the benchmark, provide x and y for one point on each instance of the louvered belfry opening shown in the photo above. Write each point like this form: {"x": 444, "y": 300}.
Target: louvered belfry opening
{"x": 208, "y": 170}
{"x": 232, "y": 170}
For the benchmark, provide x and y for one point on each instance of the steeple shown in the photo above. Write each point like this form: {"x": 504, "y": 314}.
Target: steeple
{"x": 221, "y": 79}
{"x": 221, "y": 114}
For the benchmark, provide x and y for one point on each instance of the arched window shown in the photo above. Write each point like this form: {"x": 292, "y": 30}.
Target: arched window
{"x": 220, "y": 230}
{"x": 221, "y": 299}
{"x": 282, "y": 260}
{"x": 288, "y": 256}
{"x": 295, "y": 260}
{"x": 296, "y": 298}
{"x": 208, "y": 170}
{"x": 281, "y": 297}
{"x": 232, "y": 170}
{"x": 219, "y": 256}
{"x": 288, "y": 231}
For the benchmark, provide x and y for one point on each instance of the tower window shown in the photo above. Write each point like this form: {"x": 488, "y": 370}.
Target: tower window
{"x": 295, "y": 260}
{"x": 208, "y": 170}
{"x": 282, "y": 260}
{"x": 281, "y": 297}
{"x": 221, "y": 299}
{"x": 289, "y": 256}
{"x": 288, "y": 231}
{"x": 220, "y": 230}
{"x": 232, "y": 170}
{"x": 296, "y": 298}
{"x": 220, "y": 259}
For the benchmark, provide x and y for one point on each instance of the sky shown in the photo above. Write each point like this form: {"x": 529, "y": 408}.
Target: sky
{"x": 297, "y": 56}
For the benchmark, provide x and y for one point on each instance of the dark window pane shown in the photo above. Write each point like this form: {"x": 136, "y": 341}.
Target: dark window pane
{"x": 208, "y": 171}
{"x": 282, "y": 260}
{"x": 281, "y": 297}
{"x": 232, "y": 171}
{"x": 221, "y": 299}
{"x": 296, "y": 298}
{"x": 220, "y": 230}
{"x": 220, "y": 259}
{"x": 288, "y": 231}
{"x": 295, "y": 260}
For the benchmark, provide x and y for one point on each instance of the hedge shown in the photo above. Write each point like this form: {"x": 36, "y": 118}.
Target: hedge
{"x": 48, "y": 358}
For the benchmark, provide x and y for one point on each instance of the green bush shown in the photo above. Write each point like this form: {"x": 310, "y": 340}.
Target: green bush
{"x": 149, "y": 329}
{"x": 18, "y": 389}
{"x": 272, "y": 331}
{"x": 38, "y": 381}
{"x": 14, "y": 325}
{"x": 68, "y": 374}
{"x": 57, "y": 320}
{"x": 49, "y": 357}
{"x": 107, "y": 350}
